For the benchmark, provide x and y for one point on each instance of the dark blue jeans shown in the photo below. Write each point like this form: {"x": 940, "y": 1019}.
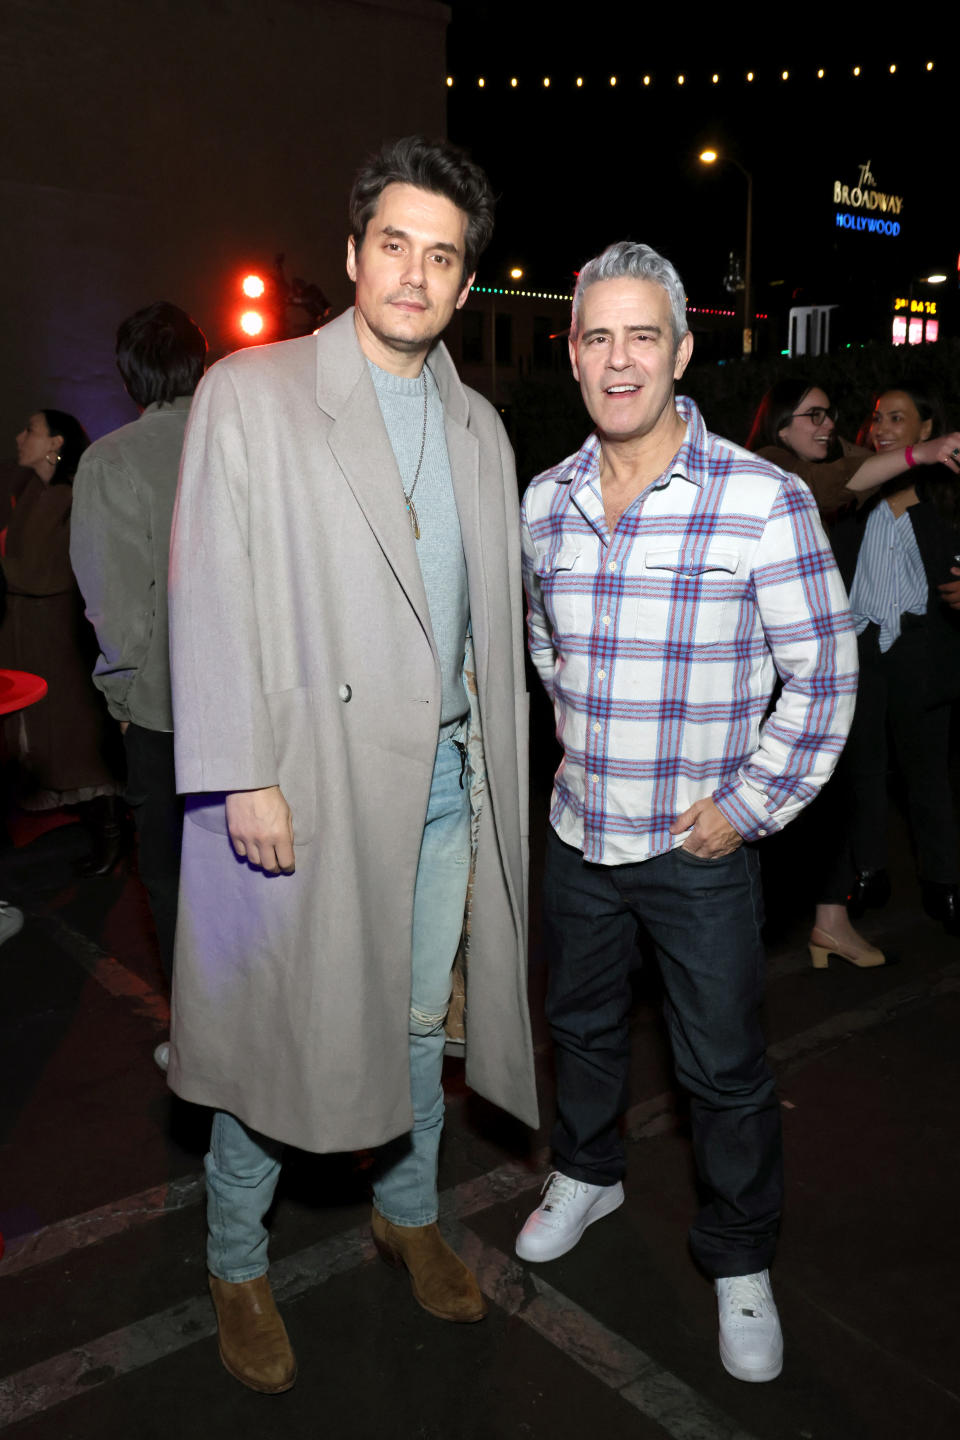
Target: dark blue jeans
{"x": 704, "y": 918}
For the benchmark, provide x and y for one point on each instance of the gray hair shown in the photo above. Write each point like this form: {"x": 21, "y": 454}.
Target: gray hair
{"x": 629, "y": 260}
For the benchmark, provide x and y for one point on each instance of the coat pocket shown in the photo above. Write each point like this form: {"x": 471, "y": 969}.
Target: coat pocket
{"x": 687, "y": 600}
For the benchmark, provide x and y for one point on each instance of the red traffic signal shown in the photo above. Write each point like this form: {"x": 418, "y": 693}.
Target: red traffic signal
{"x": 253, "y": 321}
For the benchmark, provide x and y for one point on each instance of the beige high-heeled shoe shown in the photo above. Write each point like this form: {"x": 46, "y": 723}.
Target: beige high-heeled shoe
{"x": 822, "y": 946}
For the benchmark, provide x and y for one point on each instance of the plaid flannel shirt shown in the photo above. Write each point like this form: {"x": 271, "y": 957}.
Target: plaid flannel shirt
{"x": 660, "y": 645}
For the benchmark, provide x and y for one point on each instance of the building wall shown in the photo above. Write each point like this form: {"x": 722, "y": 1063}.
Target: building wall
{"x": 155, "y": 150}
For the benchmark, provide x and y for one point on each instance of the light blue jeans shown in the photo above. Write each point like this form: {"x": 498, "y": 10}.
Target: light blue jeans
{"x": 243, "y": 1166}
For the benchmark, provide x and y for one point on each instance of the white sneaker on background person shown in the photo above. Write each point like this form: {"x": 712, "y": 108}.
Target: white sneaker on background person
{"x": 567, "y": 1208}
{"x": 11, "y": 921}
{"x": 751, "y": 1342}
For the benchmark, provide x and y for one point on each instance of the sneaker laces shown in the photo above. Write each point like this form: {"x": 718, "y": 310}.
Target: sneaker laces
{"x": 746, "y": 1296}
{"x": 557, "y": 1191}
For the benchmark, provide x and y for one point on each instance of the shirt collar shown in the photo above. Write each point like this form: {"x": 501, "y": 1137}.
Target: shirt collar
{"x": 689, "y": 463}
{"x": 180, "y": 402}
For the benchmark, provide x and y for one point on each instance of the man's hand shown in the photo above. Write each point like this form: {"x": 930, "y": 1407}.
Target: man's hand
{"x": 261, "y": 828}
{"x": 950, "y": 592}
{"x": 711, "y": 834}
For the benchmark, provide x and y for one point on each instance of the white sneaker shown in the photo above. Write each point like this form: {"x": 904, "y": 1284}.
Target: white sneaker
{"x": 567, "y": 1208}
{"x": 161, "y": 1056}
{"x": 11, "y": 920}
{"x": 751, "y": 1342}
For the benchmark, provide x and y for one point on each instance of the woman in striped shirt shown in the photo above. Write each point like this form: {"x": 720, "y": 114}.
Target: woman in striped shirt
{"x": 895, "y": 554}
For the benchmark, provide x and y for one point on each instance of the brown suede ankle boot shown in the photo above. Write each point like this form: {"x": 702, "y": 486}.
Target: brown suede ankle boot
{"x": 253, "y": 1339}
{"x": 441, "y": 1282}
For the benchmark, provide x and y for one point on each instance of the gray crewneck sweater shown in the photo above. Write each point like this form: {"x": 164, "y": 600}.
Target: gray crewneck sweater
{"x": 440, "y": 547}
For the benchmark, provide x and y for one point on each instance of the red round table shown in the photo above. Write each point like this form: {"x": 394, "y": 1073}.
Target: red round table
{"x": 18, "y": 689}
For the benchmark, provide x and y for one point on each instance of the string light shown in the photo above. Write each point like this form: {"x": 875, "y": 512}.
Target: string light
{"x": 517, "y": 294}
{"x": 553, "y": 295}
{"x": 855, "y": 72}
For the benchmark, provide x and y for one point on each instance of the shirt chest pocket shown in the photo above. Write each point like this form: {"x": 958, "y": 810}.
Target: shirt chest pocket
{"x": 688, "y": 601}
{"x": 567, "y": 586}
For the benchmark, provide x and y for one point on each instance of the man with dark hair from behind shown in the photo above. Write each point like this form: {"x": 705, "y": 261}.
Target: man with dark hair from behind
{"x": 120, "y": 540}
{"x": 345, "y": 618}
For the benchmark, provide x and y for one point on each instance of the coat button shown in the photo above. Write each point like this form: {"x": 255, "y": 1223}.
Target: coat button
{"x": 345, "y": 693}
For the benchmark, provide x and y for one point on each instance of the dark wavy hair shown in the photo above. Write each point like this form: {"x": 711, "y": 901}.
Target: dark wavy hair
{"x": 433, "y": 165}
{"x": 927, "y": 404}
{"x": 75, "y": 441}
{"x": 777, "y": 409}
{"x": 160, "y": 354}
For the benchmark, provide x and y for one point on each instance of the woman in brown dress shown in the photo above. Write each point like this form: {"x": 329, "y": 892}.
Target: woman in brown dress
{"x": 66, "y": 746}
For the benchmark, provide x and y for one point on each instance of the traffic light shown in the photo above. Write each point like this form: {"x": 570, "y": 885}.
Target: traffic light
{"x": 253, "y": 320}
{"x": 270, "y": 307}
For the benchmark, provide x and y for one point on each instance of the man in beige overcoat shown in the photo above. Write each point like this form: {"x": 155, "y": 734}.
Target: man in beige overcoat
{"x": 350, "y": 715}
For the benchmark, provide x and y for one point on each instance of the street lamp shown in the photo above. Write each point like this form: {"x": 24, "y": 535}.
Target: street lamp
{"x": 709, "y": 157}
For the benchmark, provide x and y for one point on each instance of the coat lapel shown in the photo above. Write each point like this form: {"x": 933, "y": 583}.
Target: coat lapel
{"x": 464, "y": 452}
{"x": 361, "y": 447}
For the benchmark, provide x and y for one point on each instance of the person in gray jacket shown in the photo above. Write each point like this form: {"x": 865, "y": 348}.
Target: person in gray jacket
{"x": 122, "y": 513}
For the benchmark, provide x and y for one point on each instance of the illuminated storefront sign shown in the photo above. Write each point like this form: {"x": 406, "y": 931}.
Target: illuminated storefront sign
{"x": 916, "y": 307}
{"x": 921, "y": 328}
{"x": 881, "y": 207}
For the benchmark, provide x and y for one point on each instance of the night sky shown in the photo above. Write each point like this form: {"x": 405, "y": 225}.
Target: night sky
{"x": 577, "y": 169}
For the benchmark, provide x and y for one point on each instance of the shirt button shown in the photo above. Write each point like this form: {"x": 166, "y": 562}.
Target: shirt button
{"x": 612, "y": 565}
{"x": 601, "y": 674}
{"x": 345, "y": 692}
{"x": 761, "y": 832}
{"x": 596, "y": 779}
{"x": 597, "y": 727}
{"x": 606, "y": 619}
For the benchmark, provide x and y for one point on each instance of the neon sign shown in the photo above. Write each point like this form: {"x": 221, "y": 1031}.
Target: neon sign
{"x": 865, "y": 196}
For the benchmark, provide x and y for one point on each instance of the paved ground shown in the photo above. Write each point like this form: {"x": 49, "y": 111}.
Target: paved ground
{"x": 106, "y": 1331}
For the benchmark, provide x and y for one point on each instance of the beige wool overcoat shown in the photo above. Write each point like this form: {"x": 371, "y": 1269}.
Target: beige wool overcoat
{"x": 302, "y": 655}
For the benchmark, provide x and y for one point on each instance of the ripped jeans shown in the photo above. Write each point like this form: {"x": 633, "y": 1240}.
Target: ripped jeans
{"x": 243, "y": 1167}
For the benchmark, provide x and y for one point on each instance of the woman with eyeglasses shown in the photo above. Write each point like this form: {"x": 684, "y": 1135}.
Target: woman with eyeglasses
{"x": 896, "y": 555}
{"x": 795, "y": 428}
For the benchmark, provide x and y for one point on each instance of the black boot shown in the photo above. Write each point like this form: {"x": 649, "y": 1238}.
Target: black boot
{"x": 104, "y": 819}
{"x": 942, "y": 902}
{"x": 870, "y": 890}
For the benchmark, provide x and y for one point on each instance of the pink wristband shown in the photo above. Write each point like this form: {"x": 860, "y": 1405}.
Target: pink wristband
{"x": 908, "y": 456}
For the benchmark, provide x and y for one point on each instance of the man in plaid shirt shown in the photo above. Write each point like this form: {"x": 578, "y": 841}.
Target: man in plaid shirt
{"x": 671, "y": 577}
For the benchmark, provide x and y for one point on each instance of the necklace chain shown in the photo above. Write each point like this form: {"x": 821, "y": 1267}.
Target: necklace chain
{"x": 408, "y": 494}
